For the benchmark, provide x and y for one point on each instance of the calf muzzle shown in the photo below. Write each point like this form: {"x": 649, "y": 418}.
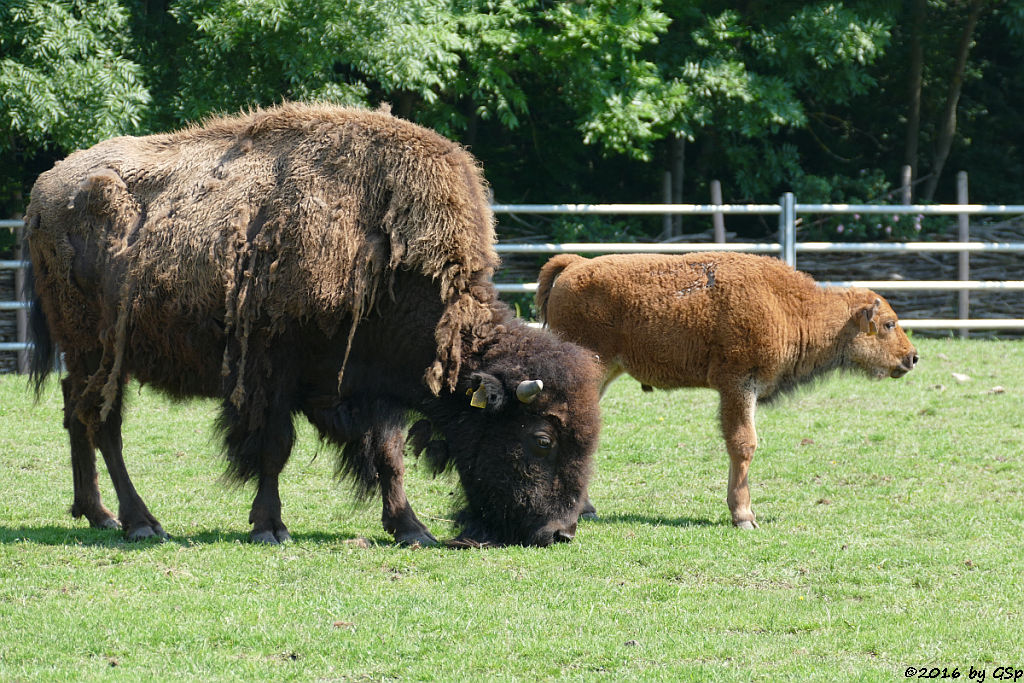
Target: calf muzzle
{"x": 906, "y": 365}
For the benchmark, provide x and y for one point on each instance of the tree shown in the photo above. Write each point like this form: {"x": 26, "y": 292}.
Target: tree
{"x": 947, "y": 124}
{"x": 743, "y": 82}
{"x": 66, "y": 81}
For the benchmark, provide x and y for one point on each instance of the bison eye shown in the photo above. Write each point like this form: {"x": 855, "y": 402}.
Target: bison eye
{"x": 543, "y": 441}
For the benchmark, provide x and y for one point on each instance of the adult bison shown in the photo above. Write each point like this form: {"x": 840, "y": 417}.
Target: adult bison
{"x": 748, "y": 326}
{"x": 317, "y": 260}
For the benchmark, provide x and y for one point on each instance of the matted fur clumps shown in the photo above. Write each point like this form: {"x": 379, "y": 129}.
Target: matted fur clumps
{"x": 295, "y": 213}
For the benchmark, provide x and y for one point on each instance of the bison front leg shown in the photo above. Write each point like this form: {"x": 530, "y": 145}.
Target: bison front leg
{"x": 398, "y": 517}
{"x": 371, "y": 436}
{"x": 737, "y": 416}
{"x": 260, "y": 452}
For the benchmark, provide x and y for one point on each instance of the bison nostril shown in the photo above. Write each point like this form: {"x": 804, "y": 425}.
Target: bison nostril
{"x": 566, "y": 534}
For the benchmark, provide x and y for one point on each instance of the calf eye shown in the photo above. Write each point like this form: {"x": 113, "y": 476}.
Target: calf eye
{"x": 891, "y": 325}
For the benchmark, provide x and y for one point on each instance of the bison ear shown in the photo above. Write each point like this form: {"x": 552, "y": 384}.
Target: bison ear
{"x": 867, "y": 318}
{"x": 487, "y": 391}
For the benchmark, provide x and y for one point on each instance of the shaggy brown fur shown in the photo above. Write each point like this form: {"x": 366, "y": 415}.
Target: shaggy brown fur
{"x": 328, "y": 201}
{"x": 747, "y": 326}
{"x": 305, "y": 259}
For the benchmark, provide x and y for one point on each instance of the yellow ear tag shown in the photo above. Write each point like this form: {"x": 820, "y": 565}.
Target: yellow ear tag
{"x": 479, "y": 398}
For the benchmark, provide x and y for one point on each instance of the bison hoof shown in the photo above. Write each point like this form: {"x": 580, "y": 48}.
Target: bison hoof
{"x": 268, "y": 537}
{"x": 588, "y": 511}
{"x": 414, "y": 539}
{"x": 144, "y": 532}
{"x": 108, "y": 523}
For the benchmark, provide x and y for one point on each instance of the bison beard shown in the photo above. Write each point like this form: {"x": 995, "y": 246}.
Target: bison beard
{"x": 305, "y": 259}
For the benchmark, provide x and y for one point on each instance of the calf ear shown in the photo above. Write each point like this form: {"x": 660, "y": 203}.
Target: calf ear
{"x": 486, "y": 391}
{"x": 867, "y": 317}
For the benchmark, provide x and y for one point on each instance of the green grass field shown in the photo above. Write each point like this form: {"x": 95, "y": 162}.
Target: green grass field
{"x": 891, "y": 536}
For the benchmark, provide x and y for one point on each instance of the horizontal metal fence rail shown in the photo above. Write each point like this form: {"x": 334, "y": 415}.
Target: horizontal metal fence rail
{"x": 787, "y": 247}
{"x": 18, "y": 347}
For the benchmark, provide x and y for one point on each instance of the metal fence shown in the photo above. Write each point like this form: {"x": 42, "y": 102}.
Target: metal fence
{"x": 787, "y": 248}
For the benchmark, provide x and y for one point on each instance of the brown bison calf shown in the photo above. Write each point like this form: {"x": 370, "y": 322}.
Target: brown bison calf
{"x": 748, "y": 326}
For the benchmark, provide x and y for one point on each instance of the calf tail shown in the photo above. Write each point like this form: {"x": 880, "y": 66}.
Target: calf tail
{"x": 551, "y": 270}
{"x": 43, "y": 349}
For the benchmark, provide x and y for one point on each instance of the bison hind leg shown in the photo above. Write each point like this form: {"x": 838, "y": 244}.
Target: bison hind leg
{"x": 133, "y": 515}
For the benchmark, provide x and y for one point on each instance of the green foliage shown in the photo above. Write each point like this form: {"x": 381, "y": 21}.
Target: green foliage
{"x": 66, "y": 78}
{"x": 888, "y": 538}
{"x": 592, "y": 229}
{"x": 244, "y": 53}
{"x": 562, "y": 101}
{"x": 738, "y": 82}
{"x": 7, "y": 243}
{"x": 868, "y": 187}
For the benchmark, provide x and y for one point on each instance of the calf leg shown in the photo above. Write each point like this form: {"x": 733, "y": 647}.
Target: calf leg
{"x": 737, "y": 416}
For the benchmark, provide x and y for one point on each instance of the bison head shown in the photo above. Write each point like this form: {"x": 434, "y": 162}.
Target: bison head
{"x": 520, "y": 430}
{"x": 880, "y": 347}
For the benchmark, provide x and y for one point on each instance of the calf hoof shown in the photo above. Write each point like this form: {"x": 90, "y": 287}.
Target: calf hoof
{"x": 746, "y": 524}
{"x": 268, "y": 537}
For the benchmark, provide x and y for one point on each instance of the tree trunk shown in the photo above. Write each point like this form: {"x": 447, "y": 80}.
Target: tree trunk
{"x": 914, "y": 91}
{"x": 678, "y": 171}
{"x": 947, "y": 127}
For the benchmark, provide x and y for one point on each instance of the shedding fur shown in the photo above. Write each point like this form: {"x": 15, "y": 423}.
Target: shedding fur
{"x": 325, "y": 199}
{"x": 304, "y": 260}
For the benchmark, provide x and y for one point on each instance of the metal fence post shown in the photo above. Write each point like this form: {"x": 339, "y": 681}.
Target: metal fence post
{"x": 964, "y": 262}
{"x": 717, "y": 219}
{"x": 787, "y": 228}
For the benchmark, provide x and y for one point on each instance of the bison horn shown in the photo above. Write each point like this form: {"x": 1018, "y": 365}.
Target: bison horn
{"x": 528, "y": 390}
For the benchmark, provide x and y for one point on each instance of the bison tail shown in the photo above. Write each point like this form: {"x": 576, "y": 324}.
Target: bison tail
{"x": 43, "y": 349}
{"x": 551, "y": 270}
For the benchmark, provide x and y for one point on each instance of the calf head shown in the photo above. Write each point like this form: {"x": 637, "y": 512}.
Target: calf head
{"x": 881, "y": 347}
{"x": 520, "y": 431}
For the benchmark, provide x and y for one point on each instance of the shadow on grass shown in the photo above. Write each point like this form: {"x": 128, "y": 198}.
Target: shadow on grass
{"x": 53, "y": 535}
{"x": 653, "y": 520}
